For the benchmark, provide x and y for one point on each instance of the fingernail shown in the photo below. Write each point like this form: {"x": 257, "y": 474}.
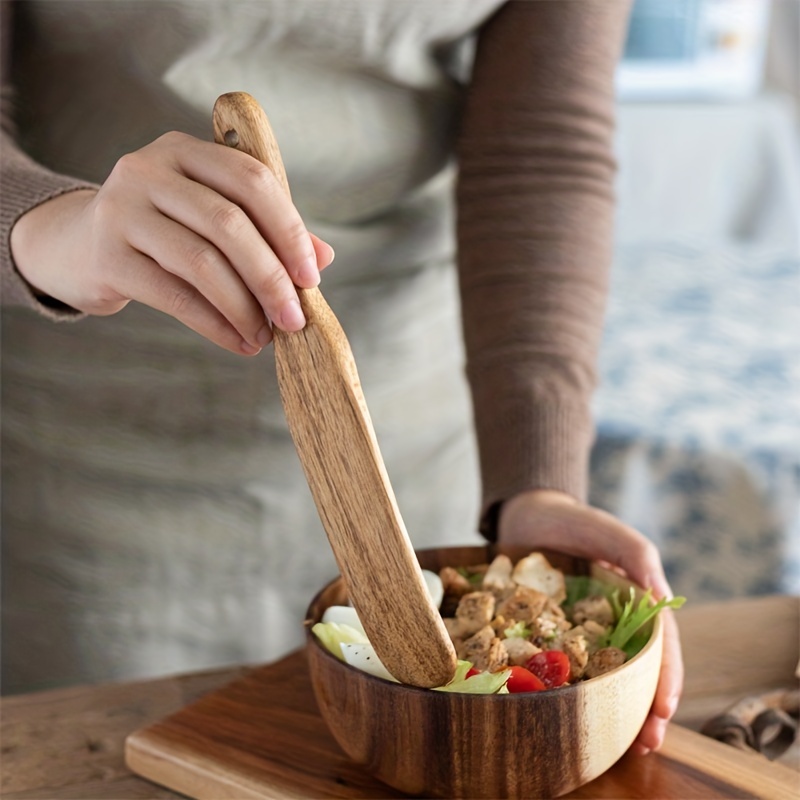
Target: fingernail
{"x": 249, "y": 349}
{"x": 309, "y": 273}
{"x": 264, "y": 336}
{"x": 331, "y": 256}
{"x": 292, "y": 318}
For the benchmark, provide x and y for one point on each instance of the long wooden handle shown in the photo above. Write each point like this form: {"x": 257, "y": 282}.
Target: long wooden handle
{"x": 332, "y": 431}
{"x": 240, "y": 122}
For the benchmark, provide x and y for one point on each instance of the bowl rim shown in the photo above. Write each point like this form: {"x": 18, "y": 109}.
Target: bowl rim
{"x": 313, "y": 641}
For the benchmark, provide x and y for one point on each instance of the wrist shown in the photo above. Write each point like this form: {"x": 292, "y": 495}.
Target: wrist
{"x": 518, "y": 514}
{"x": 38, "y": 238}
{"x": 535, "y": 498}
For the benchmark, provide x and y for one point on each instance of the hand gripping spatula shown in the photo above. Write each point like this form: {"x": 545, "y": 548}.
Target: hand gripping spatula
{"x": 334, "y": 437}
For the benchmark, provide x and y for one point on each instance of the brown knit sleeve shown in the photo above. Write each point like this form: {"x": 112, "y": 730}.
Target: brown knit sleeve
{"x": 535, "y": 219}
{"x": 24, "y": 185}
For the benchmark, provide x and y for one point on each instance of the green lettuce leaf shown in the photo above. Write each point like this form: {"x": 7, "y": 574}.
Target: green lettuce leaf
{"x": 462, "y": 669}
{"x": 334, "y": 634}
{"x": 631, "y": 618}
{"x": 579, "y": 587}
{"x": 475, "y": 578}
{"x": 517, "y": 631}
{"x": 482, "y": 683}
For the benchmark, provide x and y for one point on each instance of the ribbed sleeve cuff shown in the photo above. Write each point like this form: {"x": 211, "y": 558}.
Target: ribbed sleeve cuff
{"x": 26, "y": 185}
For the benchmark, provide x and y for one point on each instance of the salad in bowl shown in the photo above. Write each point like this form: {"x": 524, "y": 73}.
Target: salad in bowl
{"x": 516, "y": 627}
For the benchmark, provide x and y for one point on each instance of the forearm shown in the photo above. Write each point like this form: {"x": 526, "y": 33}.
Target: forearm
{"x": 25, "y": 186}
{"x": 535, "y": 224}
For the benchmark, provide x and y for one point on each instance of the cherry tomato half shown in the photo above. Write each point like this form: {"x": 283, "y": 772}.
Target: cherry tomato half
{"x": 472, "y": 671}
{"x": 551, "y": 667}
{"x": 523, "y": 680}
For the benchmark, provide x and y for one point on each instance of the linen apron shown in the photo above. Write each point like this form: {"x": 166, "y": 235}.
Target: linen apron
{"x": 155, "y": 515}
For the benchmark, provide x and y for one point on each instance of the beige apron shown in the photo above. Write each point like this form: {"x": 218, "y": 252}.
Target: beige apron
{"x": 155, "y": 515}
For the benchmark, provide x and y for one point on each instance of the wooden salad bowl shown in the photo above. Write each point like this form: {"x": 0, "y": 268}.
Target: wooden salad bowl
{"x": 442, "y": 744}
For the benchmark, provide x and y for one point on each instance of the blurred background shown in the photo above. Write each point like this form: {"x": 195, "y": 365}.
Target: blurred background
{"x": 699, "y": 407}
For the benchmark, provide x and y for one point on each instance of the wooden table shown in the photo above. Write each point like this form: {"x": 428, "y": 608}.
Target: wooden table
{"x": 68, "y": 743}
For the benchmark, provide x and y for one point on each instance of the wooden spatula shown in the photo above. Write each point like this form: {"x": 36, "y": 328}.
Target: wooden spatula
{"x": 333, "y": 434}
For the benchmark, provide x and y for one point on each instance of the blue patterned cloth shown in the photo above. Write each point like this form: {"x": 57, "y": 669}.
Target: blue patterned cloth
{"x": 699, "y": 407}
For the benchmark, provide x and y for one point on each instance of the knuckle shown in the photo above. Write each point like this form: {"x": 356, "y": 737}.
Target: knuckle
{"x": 271, "y": 287}
{"x": 142, "y": 161}
{"x": 171, "y": 139}
{"x": 260, "y": 178}
{"x": 127, "y": 166}
{"x": 180, "y": 300}
{"x": 203, "y": 260}
{"x": 230, "y": 220}
{"x": 296, "y": 236}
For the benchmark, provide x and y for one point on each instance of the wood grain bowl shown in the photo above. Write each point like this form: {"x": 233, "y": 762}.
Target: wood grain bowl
{"x": 439, "y": 744}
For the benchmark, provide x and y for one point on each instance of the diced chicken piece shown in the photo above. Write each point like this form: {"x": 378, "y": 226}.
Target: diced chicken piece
{"x": 594, "y": 633}
{"x": 553, "y": 611}
{"x": 453, "y": 627}
{"x": 536, "y": 572}
{"x": 497, "y": 579}
{"x": 519, "y": 650}
{"x": 523, "y": 605}
{"x": 596, "y": 608}
{"x": 500, "y": 623}
{"x": 454, "y": 583}
{"x": 475, "y": 610}
{"x": 504, "y": 594}
{"x": 496, "y": 658}
{"x": 551, "y": 622}
{"x": 477, "y": 645}
{"x": 545, "y": 629}
{"x": 484, "y": 650}
{"x": 573, "y": 643}
{"x": 455, "y": 586}
{"x": 604, "y": 660}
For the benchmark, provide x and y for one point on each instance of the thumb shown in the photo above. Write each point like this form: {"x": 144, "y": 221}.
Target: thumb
{"x": 543, "y": 519}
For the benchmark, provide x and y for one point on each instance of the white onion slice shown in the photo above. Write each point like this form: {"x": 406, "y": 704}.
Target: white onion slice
{"x": 343, "y": 615}
{"x": 363, "y": 657}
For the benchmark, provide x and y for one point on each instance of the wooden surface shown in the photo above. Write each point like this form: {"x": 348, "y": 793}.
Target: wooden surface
{"x": 67, "y": 743}
{"x": 262, "y": 737}
{"x": 332, "y": 431}
{"x": 736, "y": 649}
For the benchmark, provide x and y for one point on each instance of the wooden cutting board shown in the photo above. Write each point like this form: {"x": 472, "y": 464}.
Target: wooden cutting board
{"x": 262, "y": 737}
